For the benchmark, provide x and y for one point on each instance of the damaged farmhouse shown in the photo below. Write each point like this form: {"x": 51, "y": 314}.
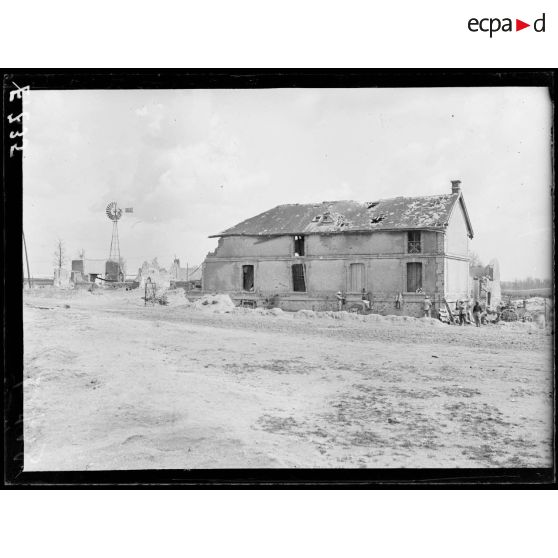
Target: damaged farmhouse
{"x": 393, "y": 251}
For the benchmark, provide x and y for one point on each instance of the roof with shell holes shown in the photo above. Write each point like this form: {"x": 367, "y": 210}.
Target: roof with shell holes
{"x": 405, "y": 213}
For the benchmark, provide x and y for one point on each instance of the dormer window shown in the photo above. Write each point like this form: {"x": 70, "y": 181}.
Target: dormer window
{"x": 414, "y": 245}
{"x": 323, "y": 219}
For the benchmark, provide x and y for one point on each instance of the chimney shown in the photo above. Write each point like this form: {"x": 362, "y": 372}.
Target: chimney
{"x": 455, "y": 186}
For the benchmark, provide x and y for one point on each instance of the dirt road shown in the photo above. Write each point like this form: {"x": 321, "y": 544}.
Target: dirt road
{"x": 111, "y": 384}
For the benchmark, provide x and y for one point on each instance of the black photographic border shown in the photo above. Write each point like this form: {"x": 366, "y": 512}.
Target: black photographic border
{"x": 75, "y": 79}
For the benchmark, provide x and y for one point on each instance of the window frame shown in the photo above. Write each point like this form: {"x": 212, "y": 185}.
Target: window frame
{"x": 363, "y": 274}
{"x": 244, "y": 266}
{"x": 413, "y": 243}
{"x": 299, "y": 241}
{"x": 301, "y": 266}
{"x": 421, "y": 275}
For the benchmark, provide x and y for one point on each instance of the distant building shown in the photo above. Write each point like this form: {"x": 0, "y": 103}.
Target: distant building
{"x": 87, "y": 270}
{"x": 62, "y": 278}
{"x": 176, "y": 272}
{"x": 188, "y": 277}
{"x": 113, "y": 271}
{"x": 485, "y": 283}
{"x": 301, "y": 255}
{"x": 155, "y": 273}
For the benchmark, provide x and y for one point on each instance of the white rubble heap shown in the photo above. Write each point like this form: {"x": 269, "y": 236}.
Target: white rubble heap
{"x": 157, "y": 274}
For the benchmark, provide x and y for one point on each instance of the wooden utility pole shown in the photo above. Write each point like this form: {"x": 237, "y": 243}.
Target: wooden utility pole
{"x": 26, "y": 259}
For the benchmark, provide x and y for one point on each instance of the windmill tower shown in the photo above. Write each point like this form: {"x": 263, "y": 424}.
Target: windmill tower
{"x": 112, "y": 270}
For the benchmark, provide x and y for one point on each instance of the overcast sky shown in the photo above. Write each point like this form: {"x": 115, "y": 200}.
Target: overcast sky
{"x": 194, "y": 162}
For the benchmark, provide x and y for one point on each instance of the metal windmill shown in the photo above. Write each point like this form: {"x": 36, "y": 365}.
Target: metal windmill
{"x": 114, "y": 213}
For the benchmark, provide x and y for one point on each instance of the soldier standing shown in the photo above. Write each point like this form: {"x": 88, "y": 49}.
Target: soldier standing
{"x": 477, "y": 311}
{"x": 427, "y": 306}
{"x": 339, "y": 297}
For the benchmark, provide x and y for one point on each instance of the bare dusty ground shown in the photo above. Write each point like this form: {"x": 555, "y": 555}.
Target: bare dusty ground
{"x": 111, "y": 384}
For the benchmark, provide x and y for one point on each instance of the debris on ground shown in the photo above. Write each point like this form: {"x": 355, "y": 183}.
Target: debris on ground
{"x": 218, "y": 304}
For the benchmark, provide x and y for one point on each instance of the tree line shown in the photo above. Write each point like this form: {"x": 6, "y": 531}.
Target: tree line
{"x": 528, "y": 283}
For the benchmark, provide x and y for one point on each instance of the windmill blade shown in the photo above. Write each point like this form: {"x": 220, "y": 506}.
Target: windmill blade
{"x": 113, "y": 212}
{"x": 110, "y": 209}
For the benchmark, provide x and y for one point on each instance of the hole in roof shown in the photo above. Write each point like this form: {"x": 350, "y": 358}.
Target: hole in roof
{"x": 323, "y": 218}
{"x": 377, "y": 219}
{"x": 370, "y": 205}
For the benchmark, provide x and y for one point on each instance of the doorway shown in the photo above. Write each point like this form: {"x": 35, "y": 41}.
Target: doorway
{"x": 247, "y": 277}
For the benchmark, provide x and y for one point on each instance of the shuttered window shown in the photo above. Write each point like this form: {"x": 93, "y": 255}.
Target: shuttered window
{"x": 299, "y": 283}
{"x": 356, "y": 277}
{"x": 414, "y": 277}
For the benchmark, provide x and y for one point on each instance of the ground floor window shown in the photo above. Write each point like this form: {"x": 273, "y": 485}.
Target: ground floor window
{"x": 247, "y": 277}
{"x": 414, "y": 277}
{"x": 299, "y": 282}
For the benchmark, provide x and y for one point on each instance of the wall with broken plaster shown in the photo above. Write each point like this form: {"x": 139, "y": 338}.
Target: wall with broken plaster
{"x": 221, "y": 276}
{"x": 327, "y": 264}
{"x": 326, "y": 276}
{"x": 486, "y": 280}
{"x": 341, "y": 244}
{"x": 62, "y": 278}
{"x": 381, "y": 242}
{"x": 495, "y": 286}
{"x": 353, "y": 243}
{"x": 382, "y": 276}
{"x": 254, "y": 246}
{"x": 272, "y": 277}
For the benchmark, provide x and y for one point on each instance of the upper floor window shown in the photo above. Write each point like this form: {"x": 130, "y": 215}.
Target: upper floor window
{"x": 299, "y": 245}
{"x": 414, "y": 245}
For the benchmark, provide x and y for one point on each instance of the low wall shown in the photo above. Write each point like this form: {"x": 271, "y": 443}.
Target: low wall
{"x": 383, "y": 307}
{"x": 412, "y": 304}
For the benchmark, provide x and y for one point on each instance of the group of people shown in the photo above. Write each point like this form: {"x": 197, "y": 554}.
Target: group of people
{"x": 342, "y": 299}
{"x": 462, "y": 309}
